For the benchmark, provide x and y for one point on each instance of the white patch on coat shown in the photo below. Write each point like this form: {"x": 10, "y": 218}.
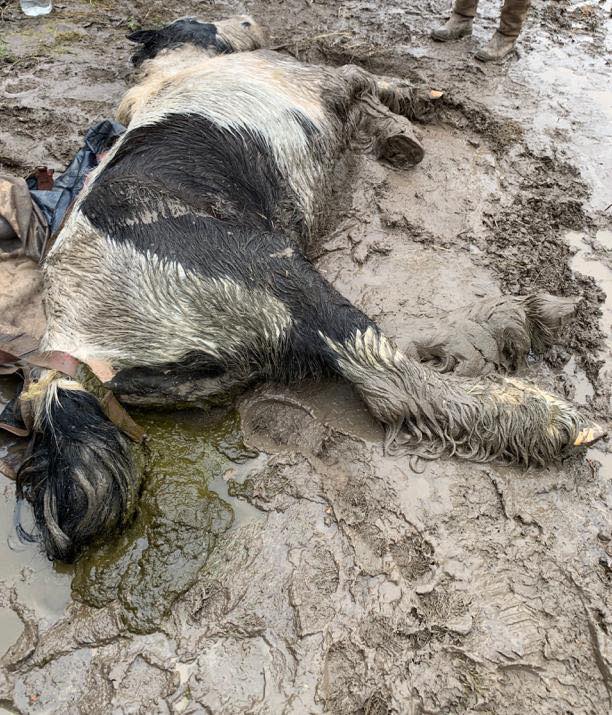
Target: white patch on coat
{"x": 367, "y": 349}
{"x": 241, "y": 33}
{"x": 106, "y": 300}
{"x": 285, "y": 253}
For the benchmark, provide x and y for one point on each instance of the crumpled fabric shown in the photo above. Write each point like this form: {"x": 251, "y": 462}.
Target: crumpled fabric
{"x": 32, "y": 215}
{"x": 20, "y": 217}
{"x": 55, "y": 202}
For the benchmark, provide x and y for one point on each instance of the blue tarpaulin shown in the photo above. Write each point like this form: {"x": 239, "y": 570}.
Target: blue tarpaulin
{"x": 55, "y": 202}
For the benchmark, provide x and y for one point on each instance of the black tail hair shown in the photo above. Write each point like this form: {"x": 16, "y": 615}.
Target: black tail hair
{"x": 81, "y": 477}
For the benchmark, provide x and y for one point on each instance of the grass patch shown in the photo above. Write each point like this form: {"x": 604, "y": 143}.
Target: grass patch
{"x": 5, "y": 53}
{"x": 68, "y": 37}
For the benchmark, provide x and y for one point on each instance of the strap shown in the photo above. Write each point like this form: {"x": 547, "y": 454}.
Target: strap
{"x": 8, "y": 470}
{"x": 19, "y": 353}
{"x": 119, "y": 416}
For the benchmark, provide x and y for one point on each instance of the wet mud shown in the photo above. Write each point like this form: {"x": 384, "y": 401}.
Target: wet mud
{"x": 279, "y": 562}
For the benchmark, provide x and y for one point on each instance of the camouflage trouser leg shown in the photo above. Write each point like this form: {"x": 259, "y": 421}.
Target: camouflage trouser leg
{"x": 467, "y": 8}
{"x": 512, "y": 15}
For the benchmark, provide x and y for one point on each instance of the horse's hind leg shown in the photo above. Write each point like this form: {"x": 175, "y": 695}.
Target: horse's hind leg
{"x": 390, "y": 137}
{"x": 379, "y": 116}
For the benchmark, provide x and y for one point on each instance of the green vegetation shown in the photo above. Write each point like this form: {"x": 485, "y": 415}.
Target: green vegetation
{"x": 5, "y": 54}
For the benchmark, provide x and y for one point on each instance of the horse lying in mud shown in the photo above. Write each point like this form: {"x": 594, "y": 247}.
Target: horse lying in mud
{"x": 183, "y": 263}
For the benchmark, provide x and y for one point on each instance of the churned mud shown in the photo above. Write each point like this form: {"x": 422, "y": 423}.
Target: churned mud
{"x": 279, "y": 563}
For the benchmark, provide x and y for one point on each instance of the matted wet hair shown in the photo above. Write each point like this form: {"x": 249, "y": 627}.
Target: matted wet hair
{"x": 81, "y": 477}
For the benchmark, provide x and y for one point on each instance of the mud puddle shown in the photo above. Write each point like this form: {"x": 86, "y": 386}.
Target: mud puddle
{"x": 593, "y": 258}
{"x": 184, "y": 507}
{"x": 581, "y": 116}
{"x": 31, "y": 586}
{"x": 562, "y": 63}
{"x": 28, "y": 579}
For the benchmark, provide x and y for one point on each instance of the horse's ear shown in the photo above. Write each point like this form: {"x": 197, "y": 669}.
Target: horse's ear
{"x": 142, "y": 37}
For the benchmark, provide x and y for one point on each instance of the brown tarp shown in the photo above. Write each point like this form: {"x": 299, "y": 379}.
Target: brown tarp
{"x": 20, "y": 217}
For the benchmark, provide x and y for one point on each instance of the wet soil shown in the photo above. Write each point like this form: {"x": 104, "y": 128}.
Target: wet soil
{"x": 279, "y": 562}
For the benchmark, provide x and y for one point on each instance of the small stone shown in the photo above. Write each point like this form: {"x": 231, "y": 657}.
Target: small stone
{"x": 425, "y": 588}
{"x": 461, "y": 625}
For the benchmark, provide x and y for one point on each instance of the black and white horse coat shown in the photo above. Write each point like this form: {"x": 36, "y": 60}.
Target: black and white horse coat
{"x": 183, "y": 262}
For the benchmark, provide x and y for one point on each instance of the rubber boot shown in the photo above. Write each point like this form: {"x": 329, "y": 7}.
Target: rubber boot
{"x": 513, "y": 16}
{"x": 454, "y": 28}
{"x": 498, "y": 47}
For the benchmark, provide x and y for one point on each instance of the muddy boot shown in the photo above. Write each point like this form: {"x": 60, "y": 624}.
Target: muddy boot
{"x": 454, "y": 28}
{"x": 498, "y": 47}
{"x": 513, "y": 16}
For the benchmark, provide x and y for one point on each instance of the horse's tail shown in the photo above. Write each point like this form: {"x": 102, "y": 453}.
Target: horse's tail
{"x": 81, "y": 477}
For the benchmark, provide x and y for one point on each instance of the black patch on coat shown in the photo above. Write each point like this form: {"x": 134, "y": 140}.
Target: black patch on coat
{"x": 227, "y": 175}
{"x": 310, "y": 129}
{"x": 185, "y": 31}
{"x": 215, "y": 202}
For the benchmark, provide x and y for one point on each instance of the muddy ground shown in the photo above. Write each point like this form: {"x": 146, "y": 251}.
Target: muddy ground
{"x": 279, "y": 562}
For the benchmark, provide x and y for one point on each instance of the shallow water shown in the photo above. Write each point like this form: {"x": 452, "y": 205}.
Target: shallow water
{"x": 571, "y": 105}
{"x": 179, "y": 517}
{"x": 40, "y": 587}
{"x": 184, "y": 507}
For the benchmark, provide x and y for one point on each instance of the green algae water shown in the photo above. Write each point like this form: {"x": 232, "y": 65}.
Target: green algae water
{"x": 177, "y": 522}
